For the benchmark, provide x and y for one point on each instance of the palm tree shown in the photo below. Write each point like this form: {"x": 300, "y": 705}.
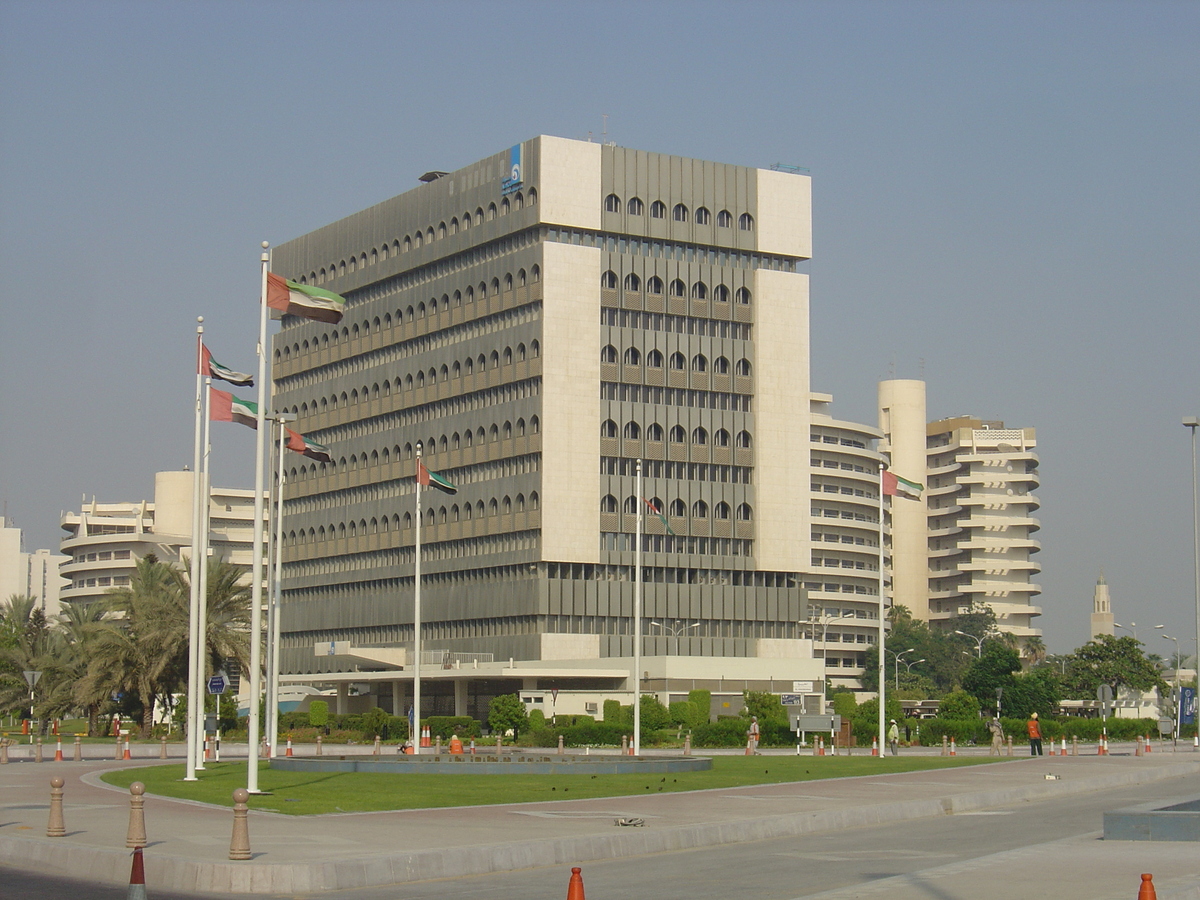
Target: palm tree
{"x": 78, "y": 625}
{"x": 1034, "y": 649}
{"x": 29, "y": 644}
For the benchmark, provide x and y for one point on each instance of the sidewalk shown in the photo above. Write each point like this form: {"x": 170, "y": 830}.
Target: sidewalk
{"x": 189, "y": 842}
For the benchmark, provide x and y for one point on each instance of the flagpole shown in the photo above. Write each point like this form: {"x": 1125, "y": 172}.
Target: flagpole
{"x": 637, "y": 619}
{"x": 202, "y": 594}
{"x": 276, "y": 590}
{"x": 193, "y": 693}
{"x": 256, "y": 569}
{"x": 882, "y": 628}
{"x": 268, "y": 741}
{"x": 416, "y": 730}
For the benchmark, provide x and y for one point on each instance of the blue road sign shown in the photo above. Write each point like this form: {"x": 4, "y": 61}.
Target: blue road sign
{"x": 217, "y": 684}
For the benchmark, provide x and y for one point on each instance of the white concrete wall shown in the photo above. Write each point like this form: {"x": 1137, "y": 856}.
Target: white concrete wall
{"x": 173, "y": 503}
{"x": 784, "y": 213}
{"x": 569, "y": 178}
{"x": 781, "y": 384}
{"x": 902, "y": 420}
{"x": 571, "y": 403}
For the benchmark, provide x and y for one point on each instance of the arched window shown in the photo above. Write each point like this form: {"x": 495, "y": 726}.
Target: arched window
{"x": 535, "y": 274}
{"x": 466, "y": 220}
{"x": 699, "y": 291}
{"x": 535, "y": 350}
{"x": 494, "y": 360}
{"x": 720, "y": 366}
{"x": 678, "y": 510}
{"x": 742, "y": 369}
{"x": 635, "y": 207}
{"x": 699, "y": 363}
{"x": 454, "y": 513}
{"x": 742, "y": 296}
{"x": 494, "y": 433}
{"x": 454, "y": 230}
{"x": 630, "y": 506}
{"x": 654, "y": 359}
{"x": 504, "y": 207}
{"x": 702, "y": 215}
{"x": 745, "y": 513}
{"x": 632, "y": 431}
{"x": 609, "y": 354}
{"x": 632, "y": 282}
{"x": 493, "y": 507}
{"x": 535, "y": 425}
{"x": 721, "y": 511}
{"x": 678, "y": 288}
{"x": 678, "y": 435}
{"x": 612, "y": 203}
{"x": 724, "y": 219}
{"x": 654, "y": 433}
{"x": 679, "y": 213}
{"x": 699, "y": 436}
{"x": 520, "y": 503}
{"x": 507, "y": 430}
{"x": 429, "y": 235}
{"x": 745, "y": 222}
{"x": 721, "y": 294}
{"x": 491, "y": 214}
{"x": 479, "y": 215}
{"x": 608, "y": 429}
{"x": 520, "y": 278}
{"x": 633, "y": 357}
{"x": 678, "y": 361}
{"x": 508, "y": 282}
{"x": 658, "y": 210}
{"x": 744, "y": 441}
{"x": 495, "y": 285}
{"x": 699, "y": 510}
{"x": 457, "y": 369}
{"x": 520, "y": 428}
{"x": 608, "y": 280}
{"x": 533, "y": 196}
{"x": 654, "y": 285}
{"x": 507, "y": 506}
{"x": 608, "y": 504}
{"x": 441, "y": 230}
{"x": 721, "y": 438}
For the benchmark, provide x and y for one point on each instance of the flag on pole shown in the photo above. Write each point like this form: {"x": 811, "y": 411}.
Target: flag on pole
{"x": 894, "y": 485}
{"x": 224, "y": 407}
{"x": 432, "y": 479}
{"x": 307, "y": 447}
{"x": 213, "y": 369}
{"x": 658, "y": 512}
{"x": 288, "y": 297}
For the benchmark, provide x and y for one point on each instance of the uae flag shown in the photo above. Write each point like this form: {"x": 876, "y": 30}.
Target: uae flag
{"x": 658, "y": 512}
{"x": 425, "y": 478}
{"x": 304, "y": 300}
{"x": 213, "y": 369}
{"x": 309, "y": 448}
{"x": 895, "y": 486}
{"x": 224, "y": 407}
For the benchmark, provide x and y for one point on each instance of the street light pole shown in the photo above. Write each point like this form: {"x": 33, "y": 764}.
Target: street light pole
{"x": 1167, "y": 637}
{"x": 1131, "y": 628}
{"x": 675, "y": 631}
{"x": 1193, "y": 422}
{"x": 978, "y": 642}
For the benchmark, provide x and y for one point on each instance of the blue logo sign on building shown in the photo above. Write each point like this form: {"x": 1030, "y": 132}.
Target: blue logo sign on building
{"x": 1187, "y": 706}
{"x": 511, "y": 183}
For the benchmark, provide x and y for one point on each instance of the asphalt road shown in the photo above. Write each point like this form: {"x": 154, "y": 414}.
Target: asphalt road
{"x": 841, "y": 864}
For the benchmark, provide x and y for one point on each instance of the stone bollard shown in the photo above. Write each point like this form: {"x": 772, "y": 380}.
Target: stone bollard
{"x": 687, "y": 745}
{"x": 38, "y": 755}
{"x": 55, "y": 827}
{"x": 1074, "y": 745}
{"x": 78, "y": 749}
{"x": 319, "y": 750}
{"x": 560, "y": 745}
{"x": 239, "y": 846}
{"x": 945, "y": 745}
{"x": 624, "y": 745}
{"x": 135, "y": 836}
{"x": 499, "y": 744}
{"x": 118, "y": 751}
{"x": 1010, "y": 753}
{"x": 1137, "y": 747}
{"x": 375, "y": 752}
{"x": 4, "y": 751}
{"x": 162, "y": 749}
{"x": 437, "y": 747}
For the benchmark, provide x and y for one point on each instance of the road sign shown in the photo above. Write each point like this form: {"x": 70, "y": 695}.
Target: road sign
{"x": 791, "y": 699}
{"x": 1104, "y": 693}
{"x": 1166, "y": 726}
{"x": 217, "y": 684}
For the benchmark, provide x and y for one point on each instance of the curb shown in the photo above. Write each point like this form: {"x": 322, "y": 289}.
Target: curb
{"x": 180, "y": 874}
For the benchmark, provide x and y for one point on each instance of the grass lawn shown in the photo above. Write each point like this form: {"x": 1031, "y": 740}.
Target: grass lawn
{"x": 310, "y": 793}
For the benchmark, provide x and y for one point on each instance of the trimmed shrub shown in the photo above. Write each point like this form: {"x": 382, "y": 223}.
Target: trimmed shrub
{"x": 537, "y": 719}
{"x": 725, "y": 732}
{"x": 702, "y": 700}
{"x": 318, "y": 713}
{"x": 654, "y": 715}
{"x": 612, "y": 711}
{"x": 446, "y": 727}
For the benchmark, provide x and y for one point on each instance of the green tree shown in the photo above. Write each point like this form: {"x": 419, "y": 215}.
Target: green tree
{"x": 318, "y": 713}
{"x": 654, "y": 715}
{"x": 1038, "y": 691}
{"x": 507, "y": 711}
{"x": 959, "y": 705}
{"x": 845, "y": 704}
{"x": 765, "y": 705}
{"x": 702, "y": 700}
{"x": 994, "y": 669}
{"x": 30, "y": 643}
{"x": 1117, "y": 662}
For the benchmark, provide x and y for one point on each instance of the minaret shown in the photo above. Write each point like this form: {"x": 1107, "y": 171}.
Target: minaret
{"x": 1102, "y": 617}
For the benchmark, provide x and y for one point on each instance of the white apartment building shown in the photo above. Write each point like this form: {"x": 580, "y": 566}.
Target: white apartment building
{"x": 104, "y": 541}
{"x": 32, "y": 574}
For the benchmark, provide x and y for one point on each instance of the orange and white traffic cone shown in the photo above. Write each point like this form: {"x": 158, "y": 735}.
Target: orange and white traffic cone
{"x": 426, "y": 739}
{"x": 1063, "y": 750}
{"x": 288, "y": 752}
{"x": 137, "y": 877}
{"x": 1147, "y": 743}
{"x": 575, "y": 885}
{"x": 953, "y": 748}
{"x": 127, "y": 754}
{"x": 58, "y": 757}
{"x": 821, "y": 745}
{"x": 875, "y": 746}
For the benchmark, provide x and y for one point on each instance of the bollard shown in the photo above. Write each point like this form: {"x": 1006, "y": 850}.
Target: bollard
{"x": 3, "y": 751}
{"x": 135, "y": 836}
{"x": 560, "y": 745}
{"x": 1010, "y": 753}
{"x": 953, "y": 748}
{"x": 575, "y": 885}
{"x": 1146, "y": 891}
{"x": 499, "y": 744}
{"x": 1137, "y": 747}
{"x": 945, "y": 745}
{"x": 687, "y": 745}
{"x": 374, "y": 752}
{"x": 162, "y": 748}
{"x": 55, "y": 827}
{"x": 118, "y": 752}
{"x": 217, "y": 746}
{"x": 239, "y": 846}
{"x": 1074, "y": 745}
{"x": 437, "y": 747}
{"x": 624, "y": 745}
{"x": 58, "y": 757}
{"x": 319, "y": 749}
{"x": 38, "y": 756}
{"x": 137, "y": 877}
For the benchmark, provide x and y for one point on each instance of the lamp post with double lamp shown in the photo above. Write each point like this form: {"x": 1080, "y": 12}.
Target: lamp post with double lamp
{"x": 978, "y": 642}
{"x": 908, "y": 666}
{"x": 675, "y": 631}
{"x": 896, "y": 659}
{"x": 1193, "y": 422}
{"x": 1167, "y": 637}
{"x": 1131, "y": 628}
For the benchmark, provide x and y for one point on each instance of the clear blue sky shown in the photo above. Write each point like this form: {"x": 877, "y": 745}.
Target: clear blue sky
{"x": 1005, "y": 203}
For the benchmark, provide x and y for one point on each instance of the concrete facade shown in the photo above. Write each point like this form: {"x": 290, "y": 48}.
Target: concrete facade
{"x": 537, "y": 333}
{"x": 32, "y": 574}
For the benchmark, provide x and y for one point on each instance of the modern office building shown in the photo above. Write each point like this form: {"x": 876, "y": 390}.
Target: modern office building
{"x": 104, "y": 541}
{"x": 536, "y": 322}
{"x": 32, "y": 574}
{"x": 970, "y": 539}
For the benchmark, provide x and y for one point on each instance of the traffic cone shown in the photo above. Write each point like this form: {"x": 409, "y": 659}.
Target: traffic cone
{"x": 58, "y": 757}
{"x": 1147, "y": 743}
{"x": 875, "y": 746}
{"x": 953, "y": 748}
{"x": 749, "y": 752}
{"x": 1145, "y": 892}
{"x": 426, "y": 741}
{"x": 126, "y": 754}
{"x": 137, "y": 877}
{"x": 288, "y": 752}
{"x": 575, "y": 885}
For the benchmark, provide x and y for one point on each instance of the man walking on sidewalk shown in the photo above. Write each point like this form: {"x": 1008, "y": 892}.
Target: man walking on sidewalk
{"x": 1035, "y": 736}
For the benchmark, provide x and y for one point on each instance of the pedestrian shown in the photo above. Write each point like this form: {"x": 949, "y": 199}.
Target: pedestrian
{"x": 753, "y": 735}
{"x": 997, "y": 731}
{"x": 893, "y": 737}
{"x": 1035, "y": 736}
